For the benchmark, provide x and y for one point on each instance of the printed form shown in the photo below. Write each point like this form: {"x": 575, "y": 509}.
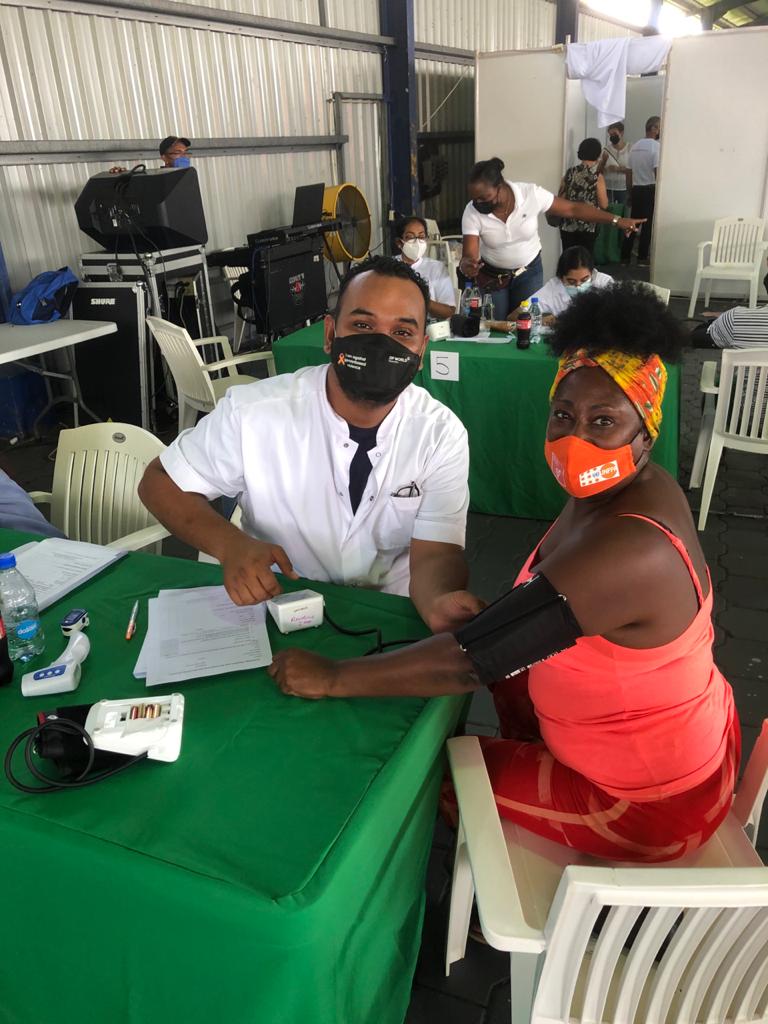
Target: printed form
{"x": 199, "y": 632}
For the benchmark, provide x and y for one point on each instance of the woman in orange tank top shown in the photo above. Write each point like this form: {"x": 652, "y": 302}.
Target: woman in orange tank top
{"x": 625, "y": 743}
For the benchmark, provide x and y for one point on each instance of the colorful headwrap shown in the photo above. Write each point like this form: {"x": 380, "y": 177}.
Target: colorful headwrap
{"x": 642, "y": 380}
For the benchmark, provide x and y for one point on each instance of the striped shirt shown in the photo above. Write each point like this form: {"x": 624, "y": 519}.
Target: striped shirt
{"x": 741, "y": 327}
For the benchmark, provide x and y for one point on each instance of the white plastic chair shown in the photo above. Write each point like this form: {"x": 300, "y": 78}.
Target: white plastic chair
{"x": 737, "y": 250}
{"x": 198, "y": 385}
{"x": 660, "y": 292}
{"x": 679, "y": 945}
{"x": 95, "y": 486}
{"x": 739, "y": 419}
{"x": 233, "y": 274}
{"x": 520, "y": 882}
{"x": 708, "y": 388}
{"x": 444, "y": 249}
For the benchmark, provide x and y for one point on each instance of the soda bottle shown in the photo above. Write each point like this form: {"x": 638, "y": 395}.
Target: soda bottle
{"x": 18, "y": 606}
{"x": 6, "y": 665}
{"x": 475, "y": 302}
{"x": 524, "y": 325}
{"x": 535, "y": 321}
{"x": 466, "y": 295}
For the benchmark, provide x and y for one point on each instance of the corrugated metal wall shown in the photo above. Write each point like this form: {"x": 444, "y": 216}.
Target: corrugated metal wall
{"x": 352, "y": 15}
{"x": 591, "y": 29}
{"x": 486, "y": 24}
{"x": 305, "y": 11}
{"x": 81, "y": 76}
{"x": 67, "y": 76}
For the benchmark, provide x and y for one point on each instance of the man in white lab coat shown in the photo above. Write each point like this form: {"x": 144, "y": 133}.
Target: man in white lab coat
{"x": 345, "y": 472}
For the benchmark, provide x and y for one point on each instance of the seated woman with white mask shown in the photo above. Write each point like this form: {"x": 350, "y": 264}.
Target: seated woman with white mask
{"x": 412, "y": 244}
{"x": 575, "y": 274}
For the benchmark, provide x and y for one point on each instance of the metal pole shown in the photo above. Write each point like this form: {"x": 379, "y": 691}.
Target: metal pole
{"x": 5, "y": 289}
{"x": 399, "y": 74}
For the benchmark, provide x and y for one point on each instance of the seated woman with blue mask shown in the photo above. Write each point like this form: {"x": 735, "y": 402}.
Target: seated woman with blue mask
{"x": 575, "y": 274}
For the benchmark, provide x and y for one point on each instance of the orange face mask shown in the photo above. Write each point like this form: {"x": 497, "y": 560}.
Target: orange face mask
{"x": 583, "y": 469}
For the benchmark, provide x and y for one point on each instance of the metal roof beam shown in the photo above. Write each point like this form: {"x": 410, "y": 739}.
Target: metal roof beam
{"x": 62, "y": 151}
{"x": 713, "y": 13}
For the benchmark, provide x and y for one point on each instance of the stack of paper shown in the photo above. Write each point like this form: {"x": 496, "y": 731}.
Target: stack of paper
{"x": 200, "y": 632}
{"x": 55, "y": 566}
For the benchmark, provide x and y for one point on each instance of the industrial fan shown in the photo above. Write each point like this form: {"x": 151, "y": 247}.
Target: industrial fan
{"x": 351, "y": 241}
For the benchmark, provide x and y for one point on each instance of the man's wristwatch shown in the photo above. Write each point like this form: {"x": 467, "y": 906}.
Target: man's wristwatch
{"x": 615, "y": 221}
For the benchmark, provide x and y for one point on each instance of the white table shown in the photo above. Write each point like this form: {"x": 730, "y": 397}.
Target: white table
{"x": 20, "y": 343}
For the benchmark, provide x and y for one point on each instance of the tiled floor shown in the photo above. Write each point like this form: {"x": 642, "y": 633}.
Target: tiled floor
{"x": 736, "y": 545}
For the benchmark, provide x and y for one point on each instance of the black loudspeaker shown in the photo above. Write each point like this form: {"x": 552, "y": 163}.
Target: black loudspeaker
{"x": 124, "y": 212}
{"x": 113, "y": 370}
{"x": 288, "y": 285}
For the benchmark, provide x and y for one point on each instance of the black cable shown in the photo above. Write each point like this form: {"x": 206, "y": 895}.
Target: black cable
{"x": 354, "y": 632}
{"x": 393, "y": 643}
{"x": 380, "y": 645}
{"x": 154, "y": 248}
{"x": 61, "y": 725}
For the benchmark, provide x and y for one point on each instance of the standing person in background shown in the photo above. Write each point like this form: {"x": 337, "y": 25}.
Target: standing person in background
{"x": 412, "y": 243}
{"x": 643, "y": 163}
{"x": 614, "y": 164}
{"x": 501, "y": 248}
{"x": 173, "y": 151}
{"x": 583, "y": 183}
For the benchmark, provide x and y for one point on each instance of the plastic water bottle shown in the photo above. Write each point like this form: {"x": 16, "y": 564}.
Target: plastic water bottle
{"x": 18, "y": 605}
{"x": 535, "y": 321}
{"x": 524, "y": 325}
{"x": 6, "y": 665}
{"x": 466, "y": 296}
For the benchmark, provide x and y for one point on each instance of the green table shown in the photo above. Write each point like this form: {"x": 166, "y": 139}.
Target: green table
{"x": 273, "y": 874}
{"x": 502, "y": 398}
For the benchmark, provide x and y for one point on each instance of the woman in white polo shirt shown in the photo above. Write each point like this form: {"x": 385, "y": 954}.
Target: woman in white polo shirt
{"x": 500, "y": 228}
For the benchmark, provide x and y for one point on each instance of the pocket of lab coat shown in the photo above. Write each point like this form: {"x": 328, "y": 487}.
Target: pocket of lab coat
{"x": 395, "y": 526}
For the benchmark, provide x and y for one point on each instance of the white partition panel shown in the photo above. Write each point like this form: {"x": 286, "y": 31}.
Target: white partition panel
{"x": 577, "y": 113}
{"x": 519, "y": 116}
{"x": 714, "y": 147}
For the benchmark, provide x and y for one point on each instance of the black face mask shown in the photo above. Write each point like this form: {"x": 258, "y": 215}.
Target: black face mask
{"x": 483, "y": 205}
{"x": 372, "y": 367}
{"x": 614, "y": 139}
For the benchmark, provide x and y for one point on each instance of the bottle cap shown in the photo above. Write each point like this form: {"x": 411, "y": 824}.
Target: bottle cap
{"x": 8, "y": 561}
{"x": 535, "y": 299}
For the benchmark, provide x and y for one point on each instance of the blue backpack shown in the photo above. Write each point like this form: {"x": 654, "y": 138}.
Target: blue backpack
{"x": 47, "y": 297}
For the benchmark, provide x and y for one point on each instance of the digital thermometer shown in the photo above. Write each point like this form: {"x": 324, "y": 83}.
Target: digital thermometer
{"x": 63, "y": 675}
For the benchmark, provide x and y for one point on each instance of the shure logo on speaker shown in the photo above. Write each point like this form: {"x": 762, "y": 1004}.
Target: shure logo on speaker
{"x": 103, "y": 302}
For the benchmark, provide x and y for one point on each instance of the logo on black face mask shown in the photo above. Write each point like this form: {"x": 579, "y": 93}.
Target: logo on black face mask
{"x": 372, "y": 368}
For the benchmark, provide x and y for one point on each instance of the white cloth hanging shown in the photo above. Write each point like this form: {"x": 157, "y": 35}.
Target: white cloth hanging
{"x": 603, "y": 68}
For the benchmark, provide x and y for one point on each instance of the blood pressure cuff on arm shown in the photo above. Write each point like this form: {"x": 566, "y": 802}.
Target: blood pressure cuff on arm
{"x": 525, "y": 625}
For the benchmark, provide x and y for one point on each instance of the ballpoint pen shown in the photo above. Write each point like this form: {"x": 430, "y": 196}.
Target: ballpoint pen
{"x": 132, "y": 621}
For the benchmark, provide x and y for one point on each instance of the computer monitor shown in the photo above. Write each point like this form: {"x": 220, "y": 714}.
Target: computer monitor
{"x": 161, "y": 207}
{"x": 308, "y": 204}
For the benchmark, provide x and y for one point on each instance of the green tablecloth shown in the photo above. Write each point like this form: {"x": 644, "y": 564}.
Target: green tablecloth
{"x": 274, "y": 873}
{"x": 501, "y": 397}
